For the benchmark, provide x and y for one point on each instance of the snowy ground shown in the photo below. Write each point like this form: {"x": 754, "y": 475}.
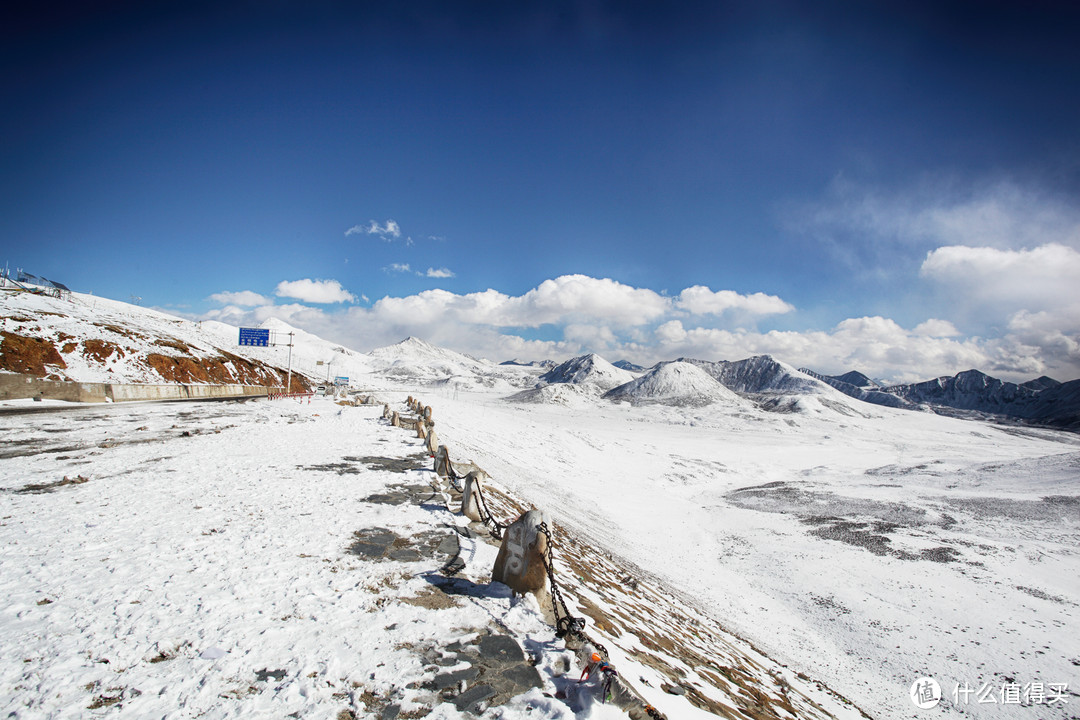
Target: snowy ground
{"x": 867, "y": 551}
{"x": 215, "y": 559}
{"x": 182, "y": 560}
{"x": 193, "y": 560}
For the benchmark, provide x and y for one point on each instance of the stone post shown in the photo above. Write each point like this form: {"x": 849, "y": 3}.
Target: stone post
{"x": 470, "y": 503}
{"x": 520, "y": 563}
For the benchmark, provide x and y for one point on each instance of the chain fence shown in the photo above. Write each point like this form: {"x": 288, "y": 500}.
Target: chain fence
{"x": 465, "y": 478}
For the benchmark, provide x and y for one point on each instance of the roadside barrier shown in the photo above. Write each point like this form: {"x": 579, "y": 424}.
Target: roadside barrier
{"x": 525, "y": 563}
{"x": 286, "y": 396}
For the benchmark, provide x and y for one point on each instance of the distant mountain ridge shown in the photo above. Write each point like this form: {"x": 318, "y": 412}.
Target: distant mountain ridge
{"x": 530, "y": 363}
{"x": 857, "y": 379}
{"x": 876, "y": 396}
{"x": 627, "y": 365}
{"x": 93, "y": 339}
{"x": 1042, "y": 400}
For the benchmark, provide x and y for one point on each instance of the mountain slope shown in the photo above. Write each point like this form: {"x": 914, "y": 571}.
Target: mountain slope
{"x": 92, "y": 339}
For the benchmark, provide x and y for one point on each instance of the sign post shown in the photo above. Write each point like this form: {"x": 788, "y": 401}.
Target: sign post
{"x": 288, "y": 383}
{"x": 260, "y": 337}
{"x": 255, "y": 337}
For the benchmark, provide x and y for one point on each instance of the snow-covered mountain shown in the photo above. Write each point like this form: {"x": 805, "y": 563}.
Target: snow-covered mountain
{"x": 416, "y": 361}
{"x": 1057, "y": 406}
{"x": 969, "y": 390}
{"x": 778, "y": 387}
{"x": 83, "y": 338}
{"x": 627, "y": 365}
{"x": 871, "y": 394}
{"x": 591, "y": 370}
{"x": 675, "y": 383}
{"x": 764, "y": 374}
{"x": 856, "y": 378}
{"x": 1042, "y": 400}
{"x": 545, "y": 364}
{"x": 1040, "y": 383}
{"x": 413, "y": 353}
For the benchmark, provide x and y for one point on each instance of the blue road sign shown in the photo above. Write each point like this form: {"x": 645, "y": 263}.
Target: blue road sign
{"x": 341, "y": 381}
{"x": 255, "y": 336}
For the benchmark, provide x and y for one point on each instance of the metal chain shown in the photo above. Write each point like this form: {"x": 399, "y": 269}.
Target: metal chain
{"x": 487, "y": 518}
{"x": 565, "y": 623}
{"x": 453, "y": 476}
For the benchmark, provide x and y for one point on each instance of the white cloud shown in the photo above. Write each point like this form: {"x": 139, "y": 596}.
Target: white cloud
{"x": 997, "y": 260}
{"x": 397, "y": 267}
{"x": 314, "y": 291}
{"x": 297, "y": 315}
{"x": 571, "y": 296}
{"x": 700, "y": 300}
{"x": 439, "y": 273}
{"x": 945, "y": 211}
{"x": 671, "y": 333}
{"x": 244, "y": 298}
{"x": 936, "y": 328}
{"x": 562, "y": 300}
{"x": 620, "y": 321}
{"x": 388, "y": 231}
{"x": 878, "y": 231}
{"x": 597, "y": 338}
{"x": 1039, "y": 278}
{"x": 1029, "y": 295}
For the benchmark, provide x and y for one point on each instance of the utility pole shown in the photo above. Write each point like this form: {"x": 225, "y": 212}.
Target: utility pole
{"x": 288, "y": 383}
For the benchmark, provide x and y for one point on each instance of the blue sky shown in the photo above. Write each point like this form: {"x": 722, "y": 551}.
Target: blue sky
{"x": 891, "y": 187}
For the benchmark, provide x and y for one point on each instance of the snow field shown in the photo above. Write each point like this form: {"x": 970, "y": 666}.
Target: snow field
{"x": 854, "y": 600}
{"x": 208, "y": 574}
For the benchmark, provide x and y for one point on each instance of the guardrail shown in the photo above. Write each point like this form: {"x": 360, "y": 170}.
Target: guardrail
{"x": 286, "y": 396}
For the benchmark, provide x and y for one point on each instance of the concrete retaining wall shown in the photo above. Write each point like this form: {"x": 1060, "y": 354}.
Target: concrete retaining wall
{"x": 14, "y": 387}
